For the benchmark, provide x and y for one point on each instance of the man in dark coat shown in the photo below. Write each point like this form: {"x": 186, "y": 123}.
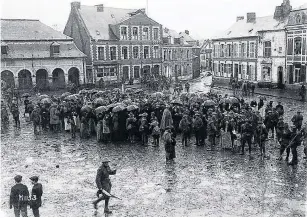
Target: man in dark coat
{"x": 296, "y": 140}
{"x": 247, "y": 130}
{"x": 19, "y": 197}
{"x": 280, "y": 109}
{"x": 103, "y": 183}
{"x": 297, "y": 120}
{"x": 197, "y": 126}
{"x": 284, "y": 142}
{"x": 36, "y": 196}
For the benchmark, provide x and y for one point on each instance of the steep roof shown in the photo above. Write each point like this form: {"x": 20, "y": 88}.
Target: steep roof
{"x": 172, "y": 33}
{"x": 97, "y": 23}
{"x": 23, "y": 29}
{"x": 186, "y": 37}
{"x": 304, "y": 6}
{"x": 243, "y": 29}
{"x": 41, "y": 49}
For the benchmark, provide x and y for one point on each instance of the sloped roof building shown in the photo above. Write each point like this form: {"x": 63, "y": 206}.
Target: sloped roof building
{"x": 31, "y": 49}
{"x": 120, "y": 44}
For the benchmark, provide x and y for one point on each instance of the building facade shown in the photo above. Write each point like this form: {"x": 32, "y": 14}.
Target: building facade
{"x": 177, "y": 56}
{"x": 35, "y": 54}
{"x": 120, "y": 44}
{"x": 254, "y": 48}
{"x": 296, "y": 46}
{"x": 206, "y": 53}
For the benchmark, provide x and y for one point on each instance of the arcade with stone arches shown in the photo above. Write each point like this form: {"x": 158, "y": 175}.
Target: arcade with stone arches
{"x": 42, "y": 78}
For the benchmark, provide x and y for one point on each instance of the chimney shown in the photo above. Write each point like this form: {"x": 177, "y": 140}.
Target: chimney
{"x": 181, "y": 40}
{"x": 99, "y": 7}
{"x": 187, "y": 32}
{"x": 251, "y": 17}
{"x": 166, "y": 30}
{"x": 75, "y": 5}
{"x": 143, "y": 10}
{"x": 278, "y": 12}
{"x": 240, "y": 18}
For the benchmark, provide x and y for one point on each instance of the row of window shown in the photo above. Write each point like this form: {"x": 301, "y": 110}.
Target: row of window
{"x": 112, "y": 71}
{"x": 125, "y": 53}
{"x": 235, "y": 50}
{"x": 297, "y": 46}
{"x": 237, "y": 70}
{"x": 54, "y": 50}
{"x": 175, "y": 54}
{"x": 135, "y": 33}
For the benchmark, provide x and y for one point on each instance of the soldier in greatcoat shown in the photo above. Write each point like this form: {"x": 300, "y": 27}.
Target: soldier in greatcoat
{"x": 103, "y": 183}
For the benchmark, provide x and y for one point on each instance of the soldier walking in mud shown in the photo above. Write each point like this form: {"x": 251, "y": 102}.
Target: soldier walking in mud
{"x": 104, "y": 185}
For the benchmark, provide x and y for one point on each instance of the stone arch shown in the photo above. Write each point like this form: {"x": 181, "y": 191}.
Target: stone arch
{"x": 25, "y": 79}
{"x": 8, "y": 77}
{"x": 58, "y": 78}
{"x": 42, "y": 79}
{"x": 74, "y": 75}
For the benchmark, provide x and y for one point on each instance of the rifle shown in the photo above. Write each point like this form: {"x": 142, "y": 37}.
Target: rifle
{"x": 104, "y": 192}
{"x": 293, "y": 139}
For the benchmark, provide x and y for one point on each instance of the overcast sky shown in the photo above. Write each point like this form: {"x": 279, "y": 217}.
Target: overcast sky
{"x": 204, "y": 18}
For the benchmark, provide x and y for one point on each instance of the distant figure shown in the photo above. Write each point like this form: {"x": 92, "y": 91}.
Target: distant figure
{"x": 303, "y": 92}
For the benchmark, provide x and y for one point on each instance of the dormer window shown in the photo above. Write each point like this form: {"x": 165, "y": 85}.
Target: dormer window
{"x": 54, "y": 49}
{"x": 4, "y": 49}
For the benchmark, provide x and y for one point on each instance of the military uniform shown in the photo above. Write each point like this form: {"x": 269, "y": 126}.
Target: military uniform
{"x": 19, "y": 199}
{"x": 284, "y": 142}
{"x": 103, "y": 183}
{"x": 247, "y": 130}
{"x": 262, "y": 135}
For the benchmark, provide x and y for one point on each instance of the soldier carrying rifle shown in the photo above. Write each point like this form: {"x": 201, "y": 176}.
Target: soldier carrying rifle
{"x": 104, "y": 185}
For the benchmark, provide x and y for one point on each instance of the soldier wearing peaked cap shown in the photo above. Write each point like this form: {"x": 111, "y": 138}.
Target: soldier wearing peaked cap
{"x": 36, "y": 196}
{"x": 103, "y": 183}
{"x": 19, "y": 197}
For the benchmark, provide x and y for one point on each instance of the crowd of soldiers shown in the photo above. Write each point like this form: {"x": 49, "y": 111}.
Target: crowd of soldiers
{"x": 113, "y": 116}
{"x": 135, "y": 115}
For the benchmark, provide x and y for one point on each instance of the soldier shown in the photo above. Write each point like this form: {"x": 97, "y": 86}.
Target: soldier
{"x": 169, "y": 144}
{"x": 280, "y": 109}
{"x": 279, "y": 128}
{"x": 35, "y": 117}
{"x": 262, "y": 135}
{"x": 269, "y": 122}
{"x": 184, "y": 126}
{"x": 19, "y": 197}
{"x": 187, "y": 87}
{"x": 247, "y": 130}
{"x": 15, "y": 113}
{"x": 144, "y": 129}
{"x": 296, "y": 140}
{"x": 212, "y": 130}
{"x": 197, "y": 126}
{"x": 304, "y": 132}
{"x": 297, "y": 120}
{"x": 284, "y": 142}
{"x": 36, "y": 196}
{"x": 103, "y": 183}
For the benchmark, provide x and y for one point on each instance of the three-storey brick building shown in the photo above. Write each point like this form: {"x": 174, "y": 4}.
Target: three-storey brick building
{"x": 296, "y": 46}
{"x": 177, "y": 56}
{"x": 119, "y": 43}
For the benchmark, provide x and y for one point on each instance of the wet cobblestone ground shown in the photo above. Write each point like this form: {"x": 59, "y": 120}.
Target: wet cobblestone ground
{"x": 199, "y": 183}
